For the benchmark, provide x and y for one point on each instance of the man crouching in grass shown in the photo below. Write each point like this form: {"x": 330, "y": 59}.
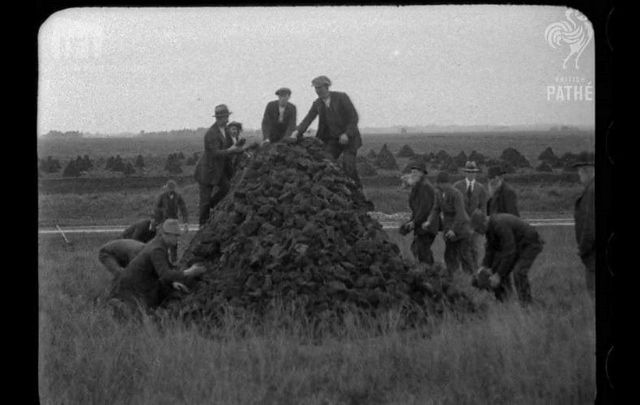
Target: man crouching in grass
{"x": 512, "y": 245}
{"x": 142, "y": 281}
{"x": 421, "y": 201}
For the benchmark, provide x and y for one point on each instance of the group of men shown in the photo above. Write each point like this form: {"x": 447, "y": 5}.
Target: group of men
{"x": 337, "y": 129}
{"x": 465, "y": 210}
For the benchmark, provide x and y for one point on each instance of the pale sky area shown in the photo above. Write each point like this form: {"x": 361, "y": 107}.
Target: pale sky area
{"x": 113, "y": 70}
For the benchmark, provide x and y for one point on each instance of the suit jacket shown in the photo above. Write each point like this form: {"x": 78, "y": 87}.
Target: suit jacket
{"x": 341, "y": 103}
{"x": 270, "y": 124}
{"x": 145, "y": 275}
{"x": 421, "y": 201}
{"x": 504, "y": 200}
{"x": 450, "y": 208}
{"x": 140, "y": 230}
{"x": 478, "y": 200}
{"x": 585, "y": 221}
{"x": 213, "y": 164}
{"x": 168, "y": 205}
{"x": 507, "y": 235}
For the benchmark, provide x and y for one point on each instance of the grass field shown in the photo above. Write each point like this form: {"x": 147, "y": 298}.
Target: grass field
{"x": 508, "y": 356}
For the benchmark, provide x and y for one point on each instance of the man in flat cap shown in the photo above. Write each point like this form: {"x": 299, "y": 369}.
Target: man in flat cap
{"x": 211, "y": 171}
{"x": 456, "y": 226}
{"x": 280, "y": 117}
{"x": 585, "y": 221}
{"x": 475, "y": 199}
{"x": 143, "y": 230}
{"x": 150, "y": 276}
{"x": 421, "y": 201}
{"x": 337, "y": 126}
{"x": 502, "y": 198}
{"x": 511, "y": 247}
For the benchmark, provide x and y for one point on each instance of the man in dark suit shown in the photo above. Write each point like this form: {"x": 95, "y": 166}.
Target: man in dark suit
{"x": 421, "y": 202}
{"x": 337, "y": 126}
{"x": 585, "y": 222}
{"x": 502, "y": 198}
{"x": 279, "y": 119}
{"x": 143, "y": 230}
{"x": 211, "y": 171}
{"x": 511, "y": 247}
{"x": 475, "y": 199}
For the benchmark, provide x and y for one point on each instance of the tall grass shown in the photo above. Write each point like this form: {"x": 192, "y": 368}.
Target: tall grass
{"x": 510, "y": 355}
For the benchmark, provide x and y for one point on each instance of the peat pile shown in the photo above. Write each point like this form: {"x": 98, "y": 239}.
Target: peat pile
{"x": 294, "y": 231}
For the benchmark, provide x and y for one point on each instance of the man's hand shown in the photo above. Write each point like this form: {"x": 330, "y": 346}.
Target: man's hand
{"x": 195, "y": 270}
{"x": 344, "y": 139}
{"x": 425, "y": 225}
{"x": 294, "y": 134}
{"x": 449, "y": 234}
{"x": 494, "y": 280}
{"x": 179, "y": 286}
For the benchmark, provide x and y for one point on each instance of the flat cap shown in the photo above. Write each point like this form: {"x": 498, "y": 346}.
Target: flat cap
{"x": 235, "y": 124}
{"x": 283, "y": 91}
{"x": 321, "y": 81}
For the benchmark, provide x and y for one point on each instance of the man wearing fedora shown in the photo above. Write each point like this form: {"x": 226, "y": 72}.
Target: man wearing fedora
{"x": 475, "y": 199}
{"x": 279, "y": 119}
{"x": 502, "y": 198}
{"x": 337, "y": 125}
{"x": 456, "y": 226}
{"x": 150, "y": 276}
{"x": 585, "y": 222}
{"x": 511, "y": 247}
{"x": 212, "y": 169}
{"x": 421, "y": 201}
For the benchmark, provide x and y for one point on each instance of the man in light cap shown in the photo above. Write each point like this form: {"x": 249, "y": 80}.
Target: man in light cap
{"x": 211, "y": 171}
{"x": 456, "y": 227}
{"x": 475, "y": 199}
{"x": 502, "y": 198}
{"x": 337, "y": 126}
{"x": 421, "y": 201}
{"x": 150, "y": 275}
{"x": 585, "y": 221}
{"x": 280, "y": 117}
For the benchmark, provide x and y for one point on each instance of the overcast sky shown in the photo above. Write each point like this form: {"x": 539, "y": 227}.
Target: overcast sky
{"x": 112, "y": 70}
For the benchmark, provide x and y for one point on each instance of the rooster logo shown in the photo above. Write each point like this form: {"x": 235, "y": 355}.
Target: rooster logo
{"x": 576, "y": 34}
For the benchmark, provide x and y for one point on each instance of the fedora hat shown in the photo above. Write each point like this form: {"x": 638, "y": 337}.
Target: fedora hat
{"x": 470, "y": 167}
{"x": 171, "y": 226}
{"x": 222, "y": 110}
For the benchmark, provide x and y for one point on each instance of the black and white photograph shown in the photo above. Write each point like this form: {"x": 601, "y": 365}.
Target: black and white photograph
{"x": 317, "y": 205}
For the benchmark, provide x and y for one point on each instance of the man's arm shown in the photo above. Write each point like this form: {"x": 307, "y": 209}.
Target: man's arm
{"x": 351, "y": 116}
{"x": 482, "y": 198}
{"x": 183, "y": 209}
{"x": 213, "y": 146}
{"x": 292, "y": 122}
{"x": 162, "y": 267}
{"x": 511, "y": 202}
{"x": 425, "y": 206}
{"x": 266, "y": 123}
{"x": 505, "y": 257}
{"x": 311, "y": 115}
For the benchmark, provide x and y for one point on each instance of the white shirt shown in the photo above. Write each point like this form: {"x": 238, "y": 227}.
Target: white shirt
{"x": 327, "y": 101}
{"x": 281, "y": 113}
{"x": 472, "y": 183}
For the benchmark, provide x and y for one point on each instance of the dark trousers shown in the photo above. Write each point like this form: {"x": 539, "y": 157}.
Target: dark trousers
{"x": 335, "y": 149}
{"x": 589, "y": 262}
{"x": 520, "y": 271}
{"x": 210, "y": 196}
{"x": 458, "y": 252}
{"x": 421, "y": 248}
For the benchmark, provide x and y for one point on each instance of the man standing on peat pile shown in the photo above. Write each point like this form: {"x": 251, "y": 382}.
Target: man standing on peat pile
{"x": 475, "y": 199}
{"x": 421, "y": 201}
{"x": 279, "y": 119}
{"x": 585, "y": 222}
{"x": 337, "y": 126}
{"x": 211, "y": 171}
{"x": 456, "y": 226}
{"x": 502, "y": 198}
{"x": 511, "y": 247}
{"x": 149, "y": 276}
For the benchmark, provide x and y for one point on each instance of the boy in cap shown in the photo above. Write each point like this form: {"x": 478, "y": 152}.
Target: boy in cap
{"x": 337, "y": 125}
{"x": 143, "y": 230}
{"x": 211, "y": 171}
{"x": 145, "y": 279}
{"x": 456, "y": 227}
{"x": 511, "y": 247}
{"x": 475, "y": 199}
{"x": 279, "y": 119}
{"x": 115, "y": 255}
{"x": 585, "y": 222}
{"x": 421, "y": 201}
{"x": 502, "y": 198}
